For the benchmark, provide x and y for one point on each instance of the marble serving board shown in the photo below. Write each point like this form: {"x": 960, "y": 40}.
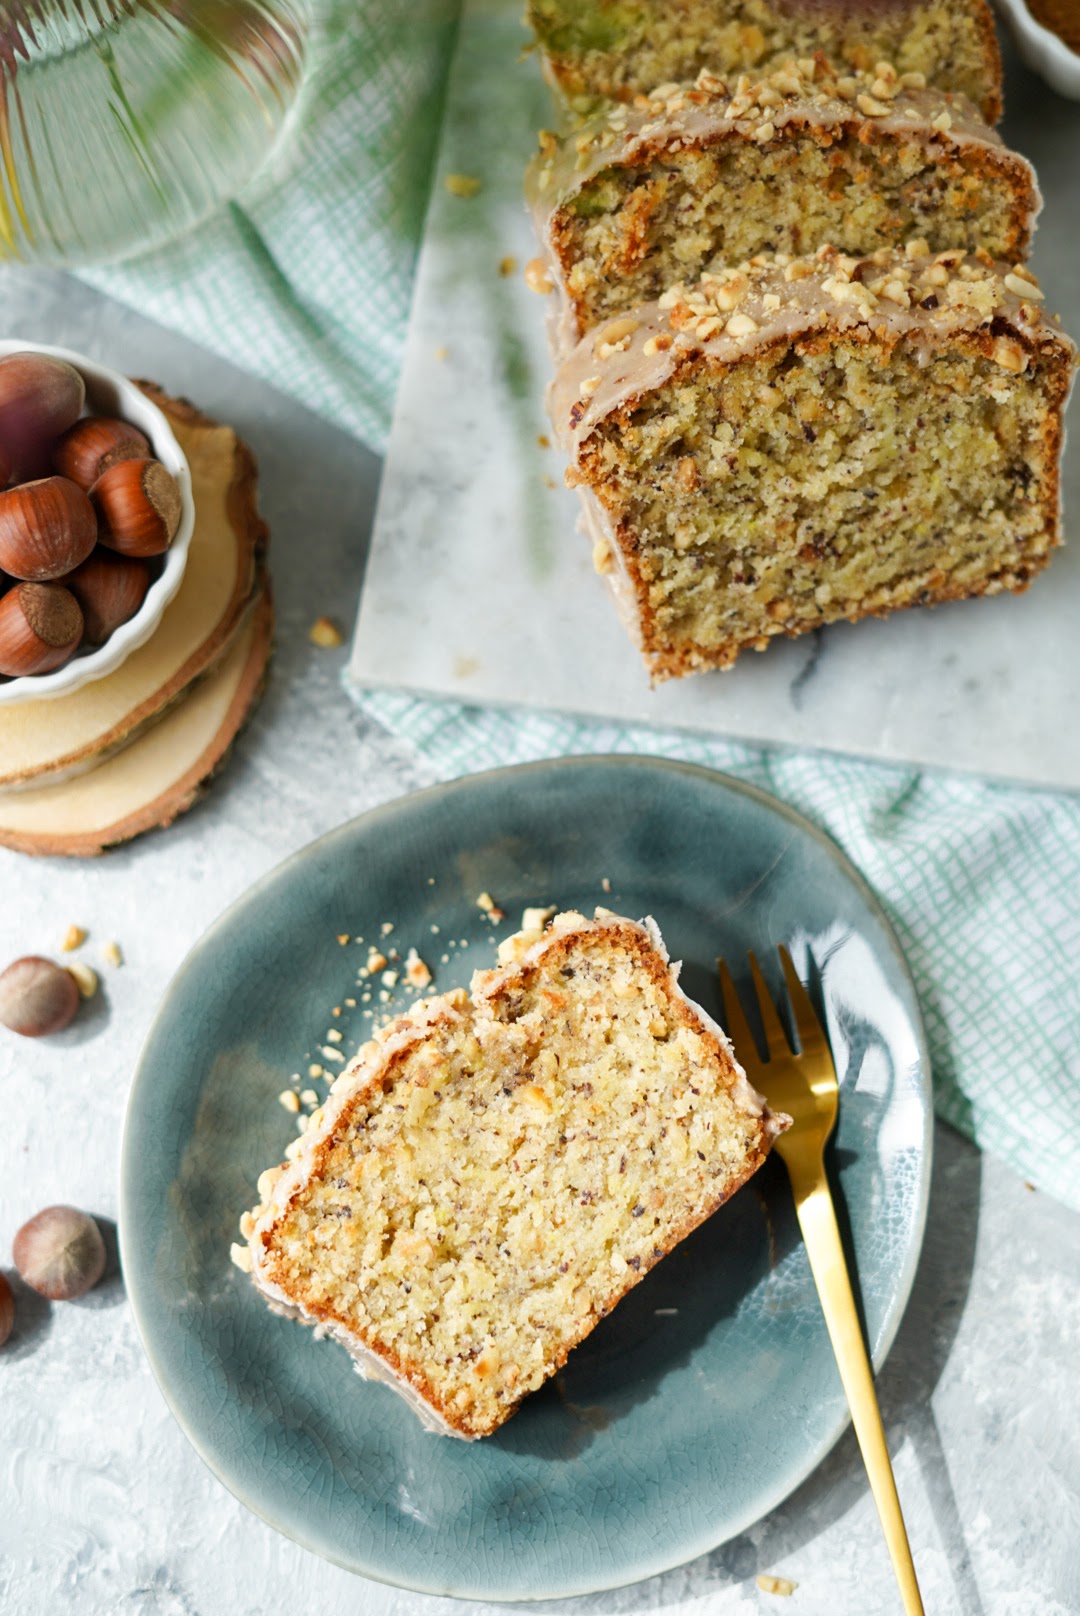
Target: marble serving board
{"x": 479, "y": 586}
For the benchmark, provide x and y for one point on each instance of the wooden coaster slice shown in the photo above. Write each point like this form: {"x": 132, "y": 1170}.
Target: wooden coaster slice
{"x": 159, "y": 775}
{"x": 54, "y": 739}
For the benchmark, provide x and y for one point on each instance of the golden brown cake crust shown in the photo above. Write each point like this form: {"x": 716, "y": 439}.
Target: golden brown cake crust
{"x": 493, "y": 989}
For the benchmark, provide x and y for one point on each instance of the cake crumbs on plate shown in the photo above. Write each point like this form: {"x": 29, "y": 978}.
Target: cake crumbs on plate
{"x": 487, "y": 903}
{"x": 417, "y": 972}
{"x": 112, "y": 955}
{"x": 507, "y": 265}
{"x": 289, "y": 1099}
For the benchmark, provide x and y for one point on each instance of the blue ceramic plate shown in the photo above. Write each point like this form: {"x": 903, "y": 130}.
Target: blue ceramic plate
{"x": 711, "y": 1391}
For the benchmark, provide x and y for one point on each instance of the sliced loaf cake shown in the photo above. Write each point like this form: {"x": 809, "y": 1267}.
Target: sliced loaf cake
{"x": 795, "y": 441}
{"x": 714, "y": 173}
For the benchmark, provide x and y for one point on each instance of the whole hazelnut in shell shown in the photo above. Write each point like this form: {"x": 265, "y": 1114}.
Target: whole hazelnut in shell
{"x": 60, "y": 1253}
{"x": 46, "y": 528}
{"x": 110, "y": 588}
{"x": 40, "y": 397}
{"x": 37, "y": 997}
{"x": 95, "y": 443}
{"x": 138, "y": 507}
{"x": 40, "y": 628}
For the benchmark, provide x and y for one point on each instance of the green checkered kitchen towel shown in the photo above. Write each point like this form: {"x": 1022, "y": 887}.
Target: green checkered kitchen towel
{"x": 307, "y": 281}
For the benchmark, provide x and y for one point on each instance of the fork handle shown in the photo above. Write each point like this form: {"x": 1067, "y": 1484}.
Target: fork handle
{"x": 817, "y": 1219}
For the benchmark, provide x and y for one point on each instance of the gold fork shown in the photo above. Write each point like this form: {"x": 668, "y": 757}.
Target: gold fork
{"x": 804, "y": 1085}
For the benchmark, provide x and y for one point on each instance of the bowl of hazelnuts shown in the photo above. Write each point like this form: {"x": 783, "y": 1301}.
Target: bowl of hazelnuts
{"x": 96, "y": 517}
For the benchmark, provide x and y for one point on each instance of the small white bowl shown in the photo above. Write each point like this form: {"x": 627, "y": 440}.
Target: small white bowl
{"x": 110, "y": 393}
{"x": 1042, "y": 50}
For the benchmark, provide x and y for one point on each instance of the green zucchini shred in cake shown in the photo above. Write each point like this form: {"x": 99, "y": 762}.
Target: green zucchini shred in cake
{"x": 796, "y": 441}
{"x": 617, "y": 49}
{"x": 491, "y": 1174}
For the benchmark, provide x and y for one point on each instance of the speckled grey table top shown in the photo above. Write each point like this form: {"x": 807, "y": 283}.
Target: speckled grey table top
{"x": 103, "y": 1505}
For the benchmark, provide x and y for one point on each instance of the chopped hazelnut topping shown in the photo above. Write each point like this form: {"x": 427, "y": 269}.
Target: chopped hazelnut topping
{"x": 111, "y": 954}
{"x": 1009, "y": 355}
{"x": 74, "y": 937}
{"x": 741, "y": 325}
{"x": 290, "y": 1100}
{"x": 872, "y": 108}
{"x": 615, "y": 335}
{"x": 1018, "y": 283}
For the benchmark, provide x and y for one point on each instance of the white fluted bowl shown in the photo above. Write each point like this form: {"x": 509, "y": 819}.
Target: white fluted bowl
{"x": 1042, "y": 50}
{"x": 110, "y": 393}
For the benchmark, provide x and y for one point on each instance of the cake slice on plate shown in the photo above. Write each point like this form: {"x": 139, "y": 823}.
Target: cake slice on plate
{"x": 493, "y": 1172}
{"x": 795, "y": 441}
{"x": 617, "y": 49}
{"x": 718, "y": 171}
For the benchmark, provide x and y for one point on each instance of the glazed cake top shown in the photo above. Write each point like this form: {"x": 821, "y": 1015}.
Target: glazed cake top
{"x": 896, "y": 294}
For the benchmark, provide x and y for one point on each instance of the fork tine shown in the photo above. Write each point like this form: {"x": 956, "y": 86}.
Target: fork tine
{"x": 811, "y": 1033}
{"x": 735, "y": 1021}
{"x": 775, "y": 1036}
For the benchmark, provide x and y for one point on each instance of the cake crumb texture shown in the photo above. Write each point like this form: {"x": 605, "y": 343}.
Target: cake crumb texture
{"x": 595, "y": 49}
{"x": 495, "y": 1172}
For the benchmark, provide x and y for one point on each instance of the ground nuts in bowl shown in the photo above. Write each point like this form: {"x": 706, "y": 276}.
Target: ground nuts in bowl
{"x": 96, "y": 518}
